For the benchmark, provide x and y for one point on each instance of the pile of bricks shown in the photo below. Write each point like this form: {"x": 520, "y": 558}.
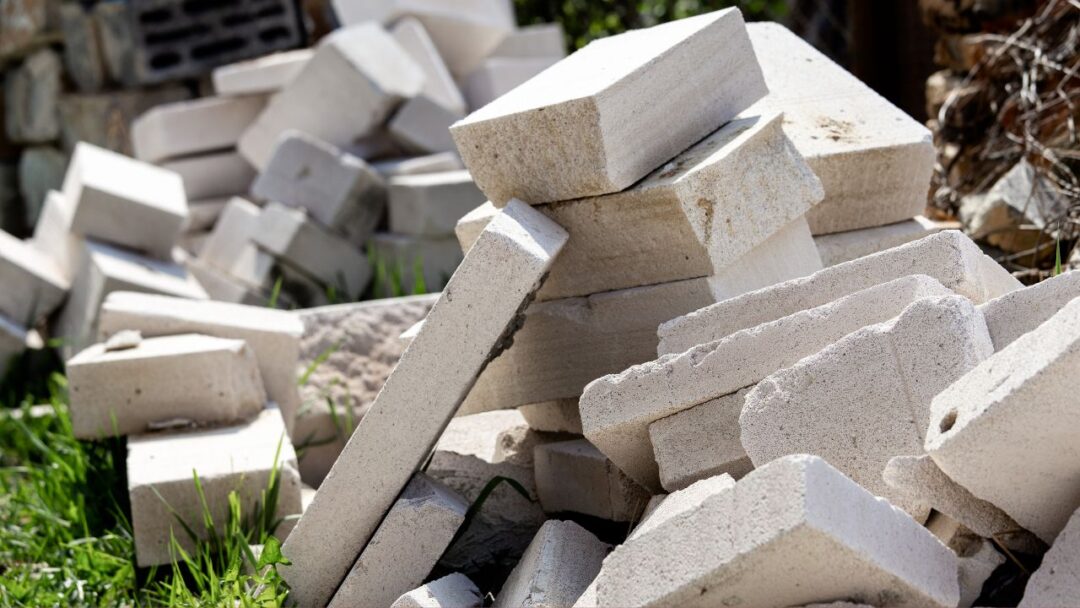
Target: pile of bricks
{"x": 700, "y": 349}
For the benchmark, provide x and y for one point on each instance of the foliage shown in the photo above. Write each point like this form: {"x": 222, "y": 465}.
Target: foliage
{"x": 586, "y": 20}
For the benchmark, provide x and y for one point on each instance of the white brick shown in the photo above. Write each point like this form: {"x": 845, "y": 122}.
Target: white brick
{"x": 558, "y": 416}
{"x": 33, "y": 286}
{"x": 439, "y": 85}
{"x": 950, "y": 257}
{"x": 263, "y": 75}
{"x": 161, "y": 469}
{"x": 431, "y": 163}
{"x": 978, "y": 560}
{"x": 103, "y": 270}
{"x": 223, "y": 287}
{"x": 111, "y": 194}
{"x": 677, "y": 503}
{"x": 437, "y": 259}
{"x": 700, "y": 443}
{"x": 431, "y": 204}
{"x": 543, "y": 40}
{"x": 874, "y": 160}
{"x": 749, "y": 545}
{"x": 616, "y": 410}
{"x": 355, "y": 80}
{"x": 273, "y": 335}
{"x": 1006, "y": 430}
{"x": 213, "y": 175}
{"x": 53, "y": 237}
{"x": 202, "y": 125}
{"x": 789, "y": 253}
{"x": 596, "y": 97}
{"x": 404, "y": 549}
{"x": 336, "y": 188}
{"x": 1057, "y": 581}
{"x": 231, "y": 247}
{"x": 451, "y": 591}
{"x": 557, "y": 567}
{"x": 1016, "y": 313}
{"x": 193, "y": 378}
{"x": 497, "y": 76}
{"x": 471, "y": 224}
{"x": 420, "y": 397}
{"x": 202, "y": 215}
{"x": 423, "y": 126}
{"x": 566, "y": 344}
{"x": 875, "y": 385}
{"x": 573, "y": 476}
{"x": 298, "y": 241}
{"x": 841, "y": 247}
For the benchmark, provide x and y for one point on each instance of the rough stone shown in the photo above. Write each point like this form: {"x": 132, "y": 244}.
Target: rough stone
{"x": 950, "y": 257}
{"x": 31, "y": 94}
{"x": 161, "y": 469}
{"x": 338, "y": 189}
{"x": 189, "y": 378}
{"x": 843, "y": 247}
{"x": 22, "y": 22}
{"x": 273, "y": 335}
{"x": 185, "y": 128}
{"x": 117, "y": 45}
{"x": 41, "y": 169}
{"x": 369, "y": 73}
{"x": 1016, "y": 313}
{"x": 590, "y": 96}
{"x": 213, "y": 175}
{"x": 82, "y": 51}
{"x": 617, "y": 410}
{"x": 32, "y": 284}
{"x": 451, "y": 591}
{"x": 1019, "y": 198}
{"x": 749, "y": 545}
{"x": 1005, "y": 431}
{"x": 472, "y": 324}
{"x": 874, "y": 160}
{"x": 439, "y": 85}
{"x": 1057, "y": 581}
{"x": 264, "y": 75}
{"x": 574, "y": 476}
{"x": 436, "y": 259}
{"x": 557, "y": 567}
{"x": 406, "y": 546}
{"x": 558, "y": 416}
{"x": 111, "y": 193}
{"x": 866, "y": 398}
{"x": 431, "y": 204}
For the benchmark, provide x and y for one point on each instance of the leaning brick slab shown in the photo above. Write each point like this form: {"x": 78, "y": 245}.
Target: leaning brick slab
{"x": 477, "y": 313}
{"x": 1007, "y": 430}
{"x": 592, "y": 121}
{"x": 874, "y": 385}
{"x": 274, "y": 335}
{"x": 1057, "y": 581}
{"x": 616, "y": 410}
{"x": 950, "y": 257}
{"x": 557, "y": 567}
{"x": 451, "y": 591}
{"x": 1016, "y": 313}
{"x": 874, "y": 160}
{"x": 677, "y": 503}
{"x": 405, "y": 548}
{"x": 193, "y": 127}
{"x": 750, "y": 545}
{"x": 33, "y": 285}
{"x": 263, "y": 75}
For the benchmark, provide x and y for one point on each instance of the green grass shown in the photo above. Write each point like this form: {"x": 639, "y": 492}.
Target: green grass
{"x": 65, "y": 532}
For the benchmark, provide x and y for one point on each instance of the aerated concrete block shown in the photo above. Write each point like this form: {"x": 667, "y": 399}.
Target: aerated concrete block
{"x": 33, "y": 285}
{"x": 451, "y": 591}
{"x": 231, "y": 247}
{"x": 439, "y": 85}
{"x": 298, "y": 241}
{"x": 197, "y": 379}
{"x": 922, "y": 481}
{"x": 789, "y": 253}
{"x": 557, "y": 567}
{"x": 431, "y": 204}
{"x": 665, "y": 507}
{"x": 1006, "y": 431}
{"x": 1016, "y": 313}
{"x": 161, "y": 469}
{"x": 264, "y": 75}
{"x": 406, "y": 546}
{"x": 866, "y": 398}
{"x": 436, "y": 258}
{"x": 607, "y": 136}
{"x": 273, "y": 335}
{"x": 192, "y": 127}
{"x": 213, "y": 175}
{"x": 223, "y": 287}
{"x": 103, "y": 270}
{"x": 431, "y": 163}
{"x": 111, "y": 193}
{"x": 1057, "y": 581}
{"x": 368, "y": 73}
{"x": 459, "y": 337}
{"x": 204, "y": 214}
{"x": 574, "y": 476}
{"x": 497, "y": 76}
{"x": 543, "y": 40}
{"x": 700, "y": 443}
{"x": 565, "y": 344}
{"x": 558, "y": 416}
{"x": 841, "y": 247}
{"x": 422, "y": 126}
{"x": 874, "y": 160}
{"x": 53, "y": 237}
{"x": 336, "y": 188}
{"x": 617, "y": 410}
{"x": 749, "y": 545}
{"x": 950, "y": 257}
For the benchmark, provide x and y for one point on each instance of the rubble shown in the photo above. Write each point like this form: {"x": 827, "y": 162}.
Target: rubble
{"x": 557, "y": 567}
